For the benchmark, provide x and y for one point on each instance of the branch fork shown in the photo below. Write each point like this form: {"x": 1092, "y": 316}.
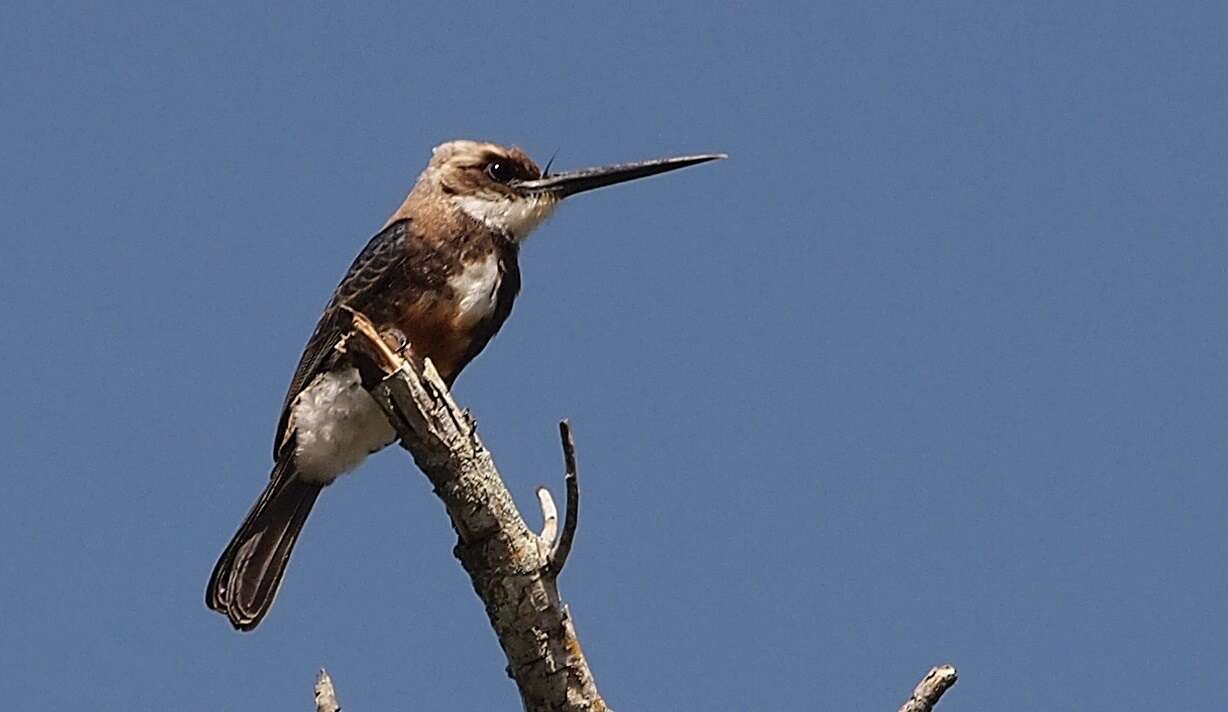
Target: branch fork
{"x": 513, "y": 569}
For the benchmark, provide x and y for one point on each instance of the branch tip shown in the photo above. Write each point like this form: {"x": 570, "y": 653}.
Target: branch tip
{"x": 326, "y": 696}
{"x": 569, "y": 447}
{"x": 927, "y": 692}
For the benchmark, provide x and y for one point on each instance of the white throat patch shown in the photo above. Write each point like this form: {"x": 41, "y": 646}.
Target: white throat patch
{"x": 517, "y": 218}
{"x": 477, "y": 286}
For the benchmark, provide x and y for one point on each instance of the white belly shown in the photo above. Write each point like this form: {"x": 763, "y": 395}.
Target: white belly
{"x": 336, "y": 425}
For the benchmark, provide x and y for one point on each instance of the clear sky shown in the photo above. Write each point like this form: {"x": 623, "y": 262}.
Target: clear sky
{"x": 931, "y": 369}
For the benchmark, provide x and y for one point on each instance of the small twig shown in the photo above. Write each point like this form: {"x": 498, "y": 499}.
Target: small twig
{"x": 326, "y": 696}
{"x": 571, "y": 517}
{"x": 550, "y": 518}
{"x": 937, "y": 681}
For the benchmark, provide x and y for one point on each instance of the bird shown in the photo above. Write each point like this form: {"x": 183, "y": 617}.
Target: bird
{"x": 441, "y": 277}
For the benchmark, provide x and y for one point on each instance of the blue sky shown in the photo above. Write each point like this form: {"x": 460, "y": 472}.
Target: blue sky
{"x": 931, "y": 369}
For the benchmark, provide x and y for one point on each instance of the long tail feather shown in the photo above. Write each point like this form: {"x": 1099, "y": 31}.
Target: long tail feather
{"x": 249, "y": 572}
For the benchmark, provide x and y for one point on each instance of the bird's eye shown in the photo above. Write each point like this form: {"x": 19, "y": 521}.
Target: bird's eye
{"x": 500, "y": 171}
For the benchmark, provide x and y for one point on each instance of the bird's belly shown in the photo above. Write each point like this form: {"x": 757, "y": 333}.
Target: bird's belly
{"x": 336, "y": 425}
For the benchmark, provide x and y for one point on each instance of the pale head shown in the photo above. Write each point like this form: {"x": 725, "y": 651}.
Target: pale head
{"x": 503, "y": 188}
{"x": 477, "y": 178}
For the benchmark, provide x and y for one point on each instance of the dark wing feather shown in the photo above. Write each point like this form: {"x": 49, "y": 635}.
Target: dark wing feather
{"x": 379, "y": 263}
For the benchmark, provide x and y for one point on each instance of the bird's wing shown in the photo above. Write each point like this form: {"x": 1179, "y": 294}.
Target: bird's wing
{"x": 379, "y": 262}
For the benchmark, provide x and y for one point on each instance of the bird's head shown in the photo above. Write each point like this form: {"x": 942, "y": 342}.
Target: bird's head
{"x": 505, "y": 190}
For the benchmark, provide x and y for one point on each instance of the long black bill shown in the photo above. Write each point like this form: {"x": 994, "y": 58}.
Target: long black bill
{"x": 572, "y": 182}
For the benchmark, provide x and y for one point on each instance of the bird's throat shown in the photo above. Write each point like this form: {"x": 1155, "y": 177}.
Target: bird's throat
{"x": 513, "y": 217}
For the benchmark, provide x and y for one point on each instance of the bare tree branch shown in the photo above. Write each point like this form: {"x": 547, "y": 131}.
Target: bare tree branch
{"x": 326, "y": 696}
{"x": 509, "y": 569}
{"x": 927, "y": 692}
{"x": 513, "y": 570}
{"x": 571, "y": 519}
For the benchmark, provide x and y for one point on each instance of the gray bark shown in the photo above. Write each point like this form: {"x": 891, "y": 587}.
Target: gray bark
{"x": 326, "y": 696}
{"x": 927, "y": 692}
{"x": 513, "y": 570}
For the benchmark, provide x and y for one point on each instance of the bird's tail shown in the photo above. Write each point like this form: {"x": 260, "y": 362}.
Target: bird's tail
{"x": 249, "y": 572}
